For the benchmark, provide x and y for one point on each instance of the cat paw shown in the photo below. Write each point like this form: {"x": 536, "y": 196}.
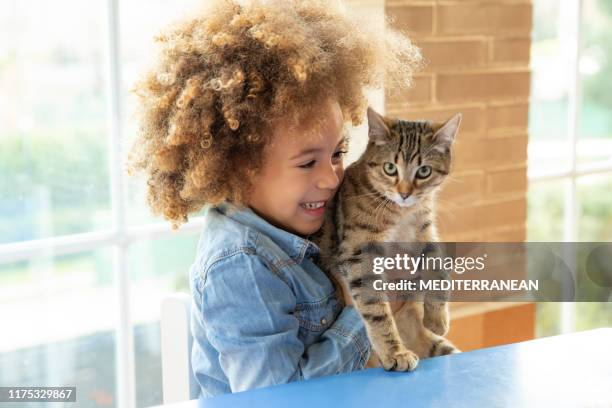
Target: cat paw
{"x": 437, "y": 320}
{"x": 400, "y": 360}
{"x": 442, "y": 347}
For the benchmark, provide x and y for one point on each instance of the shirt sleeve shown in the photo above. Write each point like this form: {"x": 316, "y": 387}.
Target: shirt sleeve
{"x": 248, "y": 312}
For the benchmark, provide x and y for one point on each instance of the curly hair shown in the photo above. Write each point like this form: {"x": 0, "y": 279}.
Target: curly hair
{"x": 224, "y": 76}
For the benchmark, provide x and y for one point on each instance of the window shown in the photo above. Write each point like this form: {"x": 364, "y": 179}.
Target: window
{"x": 83, "y": 263}
{"x": 570, "y": 146}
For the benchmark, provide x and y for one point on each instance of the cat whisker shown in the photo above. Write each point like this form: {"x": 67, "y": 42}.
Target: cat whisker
{"x": 381, "y": 210}
{"x": 379, "y": 205}
{"x": 376, "y": 211}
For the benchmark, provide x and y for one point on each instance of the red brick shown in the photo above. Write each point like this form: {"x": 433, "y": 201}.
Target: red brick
{"x": 486, "y": 86}
{"x": 508, "y": 234}
{"x": 508, "y": 116}
{"x": 421, "y": 92}
{"x": 506, "y": 151}
{"x": 462, "y": 188}
{"x": 461, "y": 18}
{"x": 511, "y": 50}
{"x": 504, "y": 213}
{"x": 416, "y": 20}
{"x": 450, "y": 53}
{"x": 510, "y": 181}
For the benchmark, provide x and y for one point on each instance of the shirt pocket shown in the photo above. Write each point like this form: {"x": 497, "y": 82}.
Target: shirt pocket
{"x": 316, "y": 317}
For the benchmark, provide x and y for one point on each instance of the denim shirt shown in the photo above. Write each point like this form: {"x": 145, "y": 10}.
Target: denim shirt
{"x": 262, "y": 312}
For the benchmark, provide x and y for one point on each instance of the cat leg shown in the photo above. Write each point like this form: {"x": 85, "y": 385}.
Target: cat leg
{"x": 376, "y": 314}
{"x": 385, "y": 338}
{"x": 441, "y": 346}
{"x": 380, "y": 326}
{"x": 418, "y": 338}
{"x": 436, "y": 316}
{"x": 435, "y": 307}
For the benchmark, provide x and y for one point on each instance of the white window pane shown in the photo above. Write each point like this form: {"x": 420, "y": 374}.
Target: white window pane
{"x": 595, "y": 208}
{"x": 545, "y": 222}
{"x": 595, "y": 137}
{"x": 548, "y": 322}
{"x": 53, "y": 149}
{"x": 58, "y": 319}
{"x": 545, "y": 203}
{"x": 549, "y": 147}
{"x": 593, "y": 315}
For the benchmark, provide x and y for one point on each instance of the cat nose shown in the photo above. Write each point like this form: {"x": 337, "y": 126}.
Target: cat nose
{"x": 404, "y": 195}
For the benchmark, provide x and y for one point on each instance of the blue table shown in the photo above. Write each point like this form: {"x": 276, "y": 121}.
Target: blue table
{"x": 573, "y": 370}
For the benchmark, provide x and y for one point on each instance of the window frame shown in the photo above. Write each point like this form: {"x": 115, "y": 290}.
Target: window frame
{"x": 573, "y": 172}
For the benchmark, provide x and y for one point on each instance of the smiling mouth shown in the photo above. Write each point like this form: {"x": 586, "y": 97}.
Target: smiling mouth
{"x": 313, "y": 205}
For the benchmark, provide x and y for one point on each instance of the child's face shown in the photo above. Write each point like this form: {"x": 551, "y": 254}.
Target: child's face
{"x": 301, "y": 173}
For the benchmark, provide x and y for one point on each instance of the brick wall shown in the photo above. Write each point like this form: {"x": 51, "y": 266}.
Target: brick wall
{"x": 477, "y": 56}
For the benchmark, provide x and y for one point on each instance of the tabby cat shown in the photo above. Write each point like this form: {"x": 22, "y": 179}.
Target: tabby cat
{"x": 388, "y": 195}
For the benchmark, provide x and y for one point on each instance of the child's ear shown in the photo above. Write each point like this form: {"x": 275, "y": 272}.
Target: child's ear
{"x": 447, "y": 132}
{"x": 378, "y": 129}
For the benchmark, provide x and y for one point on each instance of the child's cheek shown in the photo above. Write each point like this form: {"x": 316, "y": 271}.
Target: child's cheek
{"x": 340, "y": 173}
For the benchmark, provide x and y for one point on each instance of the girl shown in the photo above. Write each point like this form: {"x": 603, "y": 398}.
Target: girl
{"x": 245, "y": 116}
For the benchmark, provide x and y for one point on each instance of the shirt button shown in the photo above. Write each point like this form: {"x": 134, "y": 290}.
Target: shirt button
{"x": 323, "y": 321}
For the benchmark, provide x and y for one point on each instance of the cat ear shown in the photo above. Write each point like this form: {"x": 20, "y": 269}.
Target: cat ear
{"x": 378, "y": 131}
{"x": 446, "y": 134}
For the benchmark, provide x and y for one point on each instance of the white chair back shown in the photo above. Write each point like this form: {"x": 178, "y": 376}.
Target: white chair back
{"x": 178, "y": 382}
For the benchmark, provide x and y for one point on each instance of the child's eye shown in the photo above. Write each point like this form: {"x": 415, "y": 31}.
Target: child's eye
{"x": 307, "y": 165}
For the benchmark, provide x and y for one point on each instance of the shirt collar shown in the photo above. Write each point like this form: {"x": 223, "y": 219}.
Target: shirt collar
{"x": 295, "y": 246}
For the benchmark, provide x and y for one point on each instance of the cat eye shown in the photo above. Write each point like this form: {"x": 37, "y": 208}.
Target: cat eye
{"x": 423, "y": 172}
{"x": 390, "y": 168}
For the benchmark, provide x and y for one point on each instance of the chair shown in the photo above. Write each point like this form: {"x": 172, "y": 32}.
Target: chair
{"x": 178, "y": 382}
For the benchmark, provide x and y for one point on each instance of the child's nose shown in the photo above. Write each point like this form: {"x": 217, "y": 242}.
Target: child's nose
{"x": 328, "y": 178}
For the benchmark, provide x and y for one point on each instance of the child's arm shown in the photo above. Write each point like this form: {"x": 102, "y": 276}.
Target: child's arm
{"x": 248, "y": 314}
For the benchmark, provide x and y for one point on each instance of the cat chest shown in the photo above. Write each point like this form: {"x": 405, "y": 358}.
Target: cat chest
{"x": 404, "y": 231}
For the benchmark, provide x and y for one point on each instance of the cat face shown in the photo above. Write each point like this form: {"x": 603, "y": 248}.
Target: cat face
{"x": 407, "y": 161}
